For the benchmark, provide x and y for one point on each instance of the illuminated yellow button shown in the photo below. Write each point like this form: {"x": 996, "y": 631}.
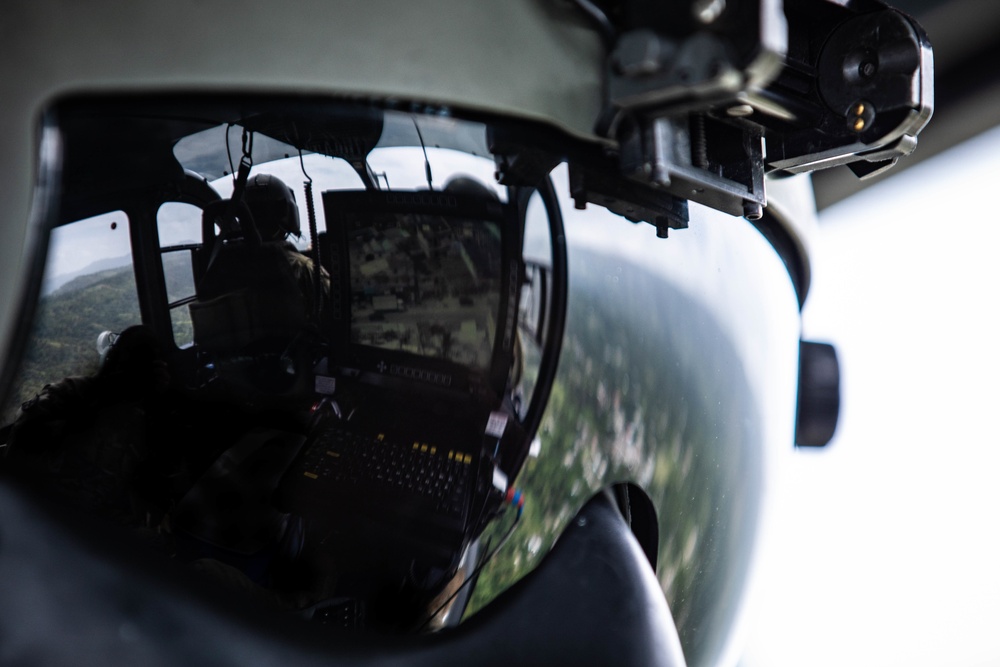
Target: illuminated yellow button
{"x": 416, "y": 446}
{"x": 311, "y": 475}
{"x": 434, "y": 450}
{"x": 467, "y": 458}
{"x": 423, "y": 449}
{"x": 381, "y": 437}
{"x": 451, "y": 455}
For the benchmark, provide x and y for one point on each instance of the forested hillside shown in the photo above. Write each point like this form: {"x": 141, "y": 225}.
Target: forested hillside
{"x": 632, "y": 402}
{"x": 648, "y": 390}
{"x": 68, "y": 321}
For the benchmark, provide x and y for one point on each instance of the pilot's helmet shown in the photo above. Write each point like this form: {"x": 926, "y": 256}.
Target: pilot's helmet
{"x": 272, "y": 205}
{"x": 133, "y": 363}
{"x": 467, "y": 185}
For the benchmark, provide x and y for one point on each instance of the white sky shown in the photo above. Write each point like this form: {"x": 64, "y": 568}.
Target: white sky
{"x": 888, "y": 546}
{"x": 77, "y": 247}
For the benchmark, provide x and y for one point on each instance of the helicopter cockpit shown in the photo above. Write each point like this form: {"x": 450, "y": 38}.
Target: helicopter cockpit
{"x": 346, "y": 386}
{"x": 366, "y": 415}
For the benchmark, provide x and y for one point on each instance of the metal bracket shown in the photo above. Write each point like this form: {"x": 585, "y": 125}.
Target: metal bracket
{"x": 701, "y": 107}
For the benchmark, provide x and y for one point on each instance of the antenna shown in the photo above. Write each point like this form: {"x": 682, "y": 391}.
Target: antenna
{"x": 427, "y": 163}
{"x": 313, "y": 239}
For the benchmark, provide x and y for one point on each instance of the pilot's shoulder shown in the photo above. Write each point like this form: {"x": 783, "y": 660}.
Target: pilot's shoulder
{"x": 57, "y": 394}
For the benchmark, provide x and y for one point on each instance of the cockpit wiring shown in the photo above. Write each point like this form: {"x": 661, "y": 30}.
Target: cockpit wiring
{"x": 513, "y": 498}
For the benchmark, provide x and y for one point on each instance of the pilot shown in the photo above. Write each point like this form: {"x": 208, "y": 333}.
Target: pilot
{"x": 276, "y": 217}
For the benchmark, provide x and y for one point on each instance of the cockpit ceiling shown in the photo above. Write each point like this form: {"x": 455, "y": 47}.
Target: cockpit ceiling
{"x": 130, "y": 143}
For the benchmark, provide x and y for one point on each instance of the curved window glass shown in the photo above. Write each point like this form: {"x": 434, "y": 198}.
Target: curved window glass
{"x": 88, "y": 287}
{"x": 363, "y": 386}
{"x": 179, "y": 232}
{"x": 677, "y": 373}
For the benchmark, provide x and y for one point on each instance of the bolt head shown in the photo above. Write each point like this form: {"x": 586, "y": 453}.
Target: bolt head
{"x": 739, "y": 111}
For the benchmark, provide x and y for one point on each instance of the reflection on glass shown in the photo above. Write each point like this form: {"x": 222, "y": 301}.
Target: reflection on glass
{"x": 88, "y": 287}
{"x": 178, "y": 276}
{"x": 179, "y": 231}
{"x": 180, "y": 324}
{"x": 427, "y": 285}
{"x": 178, "y": 224}
{"x": 654, "y": 386}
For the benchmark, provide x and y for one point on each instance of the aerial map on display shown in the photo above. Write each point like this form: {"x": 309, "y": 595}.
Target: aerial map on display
{"x": 427, "y": 285}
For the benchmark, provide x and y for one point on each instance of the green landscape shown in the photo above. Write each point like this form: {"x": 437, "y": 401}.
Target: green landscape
{"x": 64, "y": 335}
{"x": 633, "y": 402}
{"x": 637, "y": 398}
